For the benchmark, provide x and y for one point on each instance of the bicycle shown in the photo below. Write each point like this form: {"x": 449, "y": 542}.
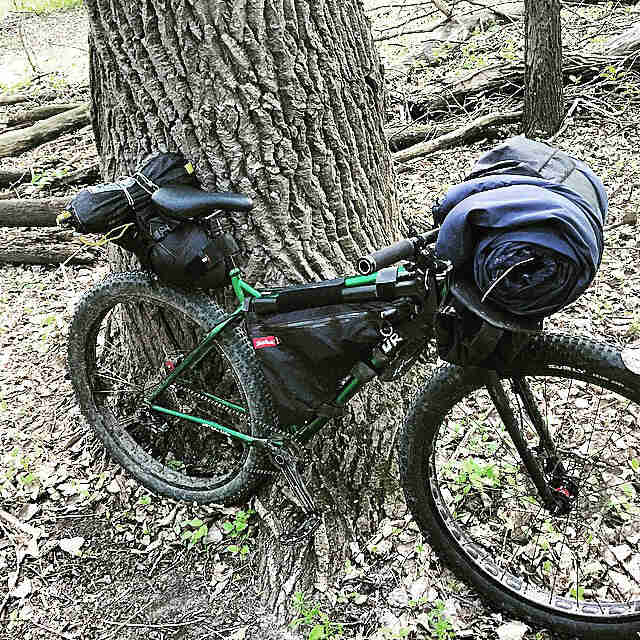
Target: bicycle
{"x": 521, "y": 476}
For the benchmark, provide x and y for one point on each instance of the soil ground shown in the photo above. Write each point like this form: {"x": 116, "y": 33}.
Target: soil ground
{"x": 109, "y": 561}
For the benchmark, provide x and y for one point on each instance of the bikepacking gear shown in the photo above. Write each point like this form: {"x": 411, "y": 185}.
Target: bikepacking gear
{"x": 180, "y": 251}
{"x": 305, "y": 355}
{"x": 528, "y": 224}
{"x": 101, "y": 208}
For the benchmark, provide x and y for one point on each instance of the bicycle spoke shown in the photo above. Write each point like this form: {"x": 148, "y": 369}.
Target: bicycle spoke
{"x": 508, "y": 520}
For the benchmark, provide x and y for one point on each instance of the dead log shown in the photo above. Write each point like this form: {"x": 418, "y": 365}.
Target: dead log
{"x": 509, "y": 78}
{"x": 458, "y": 29}
{"x": 474, "y": 129}
{"x": 403, "y": 136}
{"x": 626, "y": 43}
{"x": 39, "y": 113}
{"x": 16, "y": 142}
{"x": 16, "y": 98}
{"x": 14, "y": 176}
{"x": 37, "y": 247}
{"x": 31, "y": 213}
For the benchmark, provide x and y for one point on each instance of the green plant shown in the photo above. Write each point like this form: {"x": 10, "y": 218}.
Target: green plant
{"x": 440, "y": 625}
{"x": 237, "y": 529}
{"x": 310, "y": 616}
{"x": 47, "y": 177}
{"x": 193, "y": 531}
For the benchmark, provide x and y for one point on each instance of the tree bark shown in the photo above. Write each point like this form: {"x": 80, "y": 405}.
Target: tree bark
{"x": 543, "y": 93}
{"x": 16, "y": 142}
{"x": 282, "y": 101}
{"x": 31, "y": 213}
{"x": 37, "y": 247}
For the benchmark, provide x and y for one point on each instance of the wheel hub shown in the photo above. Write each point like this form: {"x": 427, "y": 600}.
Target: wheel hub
{"x": 565, "y": 493}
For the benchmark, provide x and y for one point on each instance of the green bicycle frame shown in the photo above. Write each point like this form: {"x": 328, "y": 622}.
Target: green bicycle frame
{"x": 242, "y": 291}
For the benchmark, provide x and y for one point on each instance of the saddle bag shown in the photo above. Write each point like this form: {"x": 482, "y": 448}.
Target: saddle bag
{"x": 306, "y": 355}
{"x": 186, "y": 254}
{"x": 102, "y": 208}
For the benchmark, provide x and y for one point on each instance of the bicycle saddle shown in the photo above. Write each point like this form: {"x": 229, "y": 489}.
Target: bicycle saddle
{"x": 181, "y": 201}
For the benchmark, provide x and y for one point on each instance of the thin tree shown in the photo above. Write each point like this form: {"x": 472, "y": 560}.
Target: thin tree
{"x": 543, "y": 85}
{"x": 282, "y": 101}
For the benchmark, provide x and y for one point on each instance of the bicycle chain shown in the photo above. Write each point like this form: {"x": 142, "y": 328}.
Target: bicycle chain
{"x": 210, "y": 401}
{"x": 302, "y": 454}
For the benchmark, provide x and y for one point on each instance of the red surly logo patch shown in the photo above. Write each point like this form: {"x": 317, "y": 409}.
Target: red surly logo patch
{"x": 267, "y": 341}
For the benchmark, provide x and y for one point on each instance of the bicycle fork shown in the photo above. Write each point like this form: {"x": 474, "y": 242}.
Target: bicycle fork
{"x": 558, "y": 495}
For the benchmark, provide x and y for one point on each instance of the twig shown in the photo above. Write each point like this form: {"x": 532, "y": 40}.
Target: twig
{"x": 66, "y": 636}
{"x": 473, "y": 128}
{"x": 24, "y": 46}
{"x": 126, "y": 622}
{"x": 565, "y": 122}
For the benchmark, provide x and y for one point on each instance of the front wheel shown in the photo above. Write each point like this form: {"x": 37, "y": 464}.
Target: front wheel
{"x": 575, "y": 569}
{"x": 127, "y": 334}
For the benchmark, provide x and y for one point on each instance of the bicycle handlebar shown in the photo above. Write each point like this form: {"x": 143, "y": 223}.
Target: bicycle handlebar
{"x": 402, "y": 250}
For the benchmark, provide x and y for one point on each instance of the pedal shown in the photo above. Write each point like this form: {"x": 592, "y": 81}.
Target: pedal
{"x": 303, "y": 528}
{"x": 287, "y": 463}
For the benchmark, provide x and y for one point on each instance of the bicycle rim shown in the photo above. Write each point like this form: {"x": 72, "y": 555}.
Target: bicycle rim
{"x": 584, "y": 563}
{"x": 134, "y": 345}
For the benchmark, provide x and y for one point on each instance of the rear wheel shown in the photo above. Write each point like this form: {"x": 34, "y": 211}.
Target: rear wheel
{"x": 575, "y": 569}
{"x": 127, "y": 335}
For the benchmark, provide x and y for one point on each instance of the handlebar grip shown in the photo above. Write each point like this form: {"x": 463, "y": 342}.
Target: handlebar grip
{"x": 401, "y": 250}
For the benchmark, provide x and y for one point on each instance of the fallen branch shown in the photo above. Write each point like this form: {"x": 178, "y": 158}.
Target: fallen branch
{"x": 16, "y": 142}
{"x": 16, "y": 98}
{"x": 473, "y": 129}
{"x": 38, "y": 247}
{"x": 403, "y": 136}
{"x": 31, "y": 213}
{"x": 40, "y": 113}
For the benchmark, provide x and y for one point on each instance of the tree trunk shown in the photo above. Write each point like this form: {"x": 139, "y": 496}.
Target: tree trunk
{"x": 543, "y": 96}
{"x": 282, "y": 101}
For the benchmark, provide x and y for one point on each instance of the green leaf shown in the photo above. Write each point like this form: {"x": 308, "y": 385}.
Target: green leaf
{"x": 317, "y": 633}
{"x": 201, "y": 532}
{"x": 233, "y": 548}
{"x": 635, "y": 464}
{"x": 227, "y": 526}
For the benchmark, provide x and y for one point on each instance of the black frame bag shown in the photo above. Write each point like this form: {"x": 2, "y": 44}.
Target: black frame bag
{"x": 305, "y": 355}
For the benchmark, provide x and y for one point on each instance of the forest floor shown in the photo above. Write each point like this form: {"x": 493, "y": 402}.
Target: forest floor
{"x": 109, "y": 559}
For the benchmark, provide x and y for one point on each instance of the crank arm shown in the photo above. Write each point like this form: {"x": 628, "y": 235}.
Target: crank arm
{"x": 286, "y": 463}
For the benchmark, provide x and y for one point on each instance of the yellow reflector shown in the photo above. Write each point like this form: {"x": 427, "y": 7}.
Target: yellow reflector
{"x": 61, "y": 217}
